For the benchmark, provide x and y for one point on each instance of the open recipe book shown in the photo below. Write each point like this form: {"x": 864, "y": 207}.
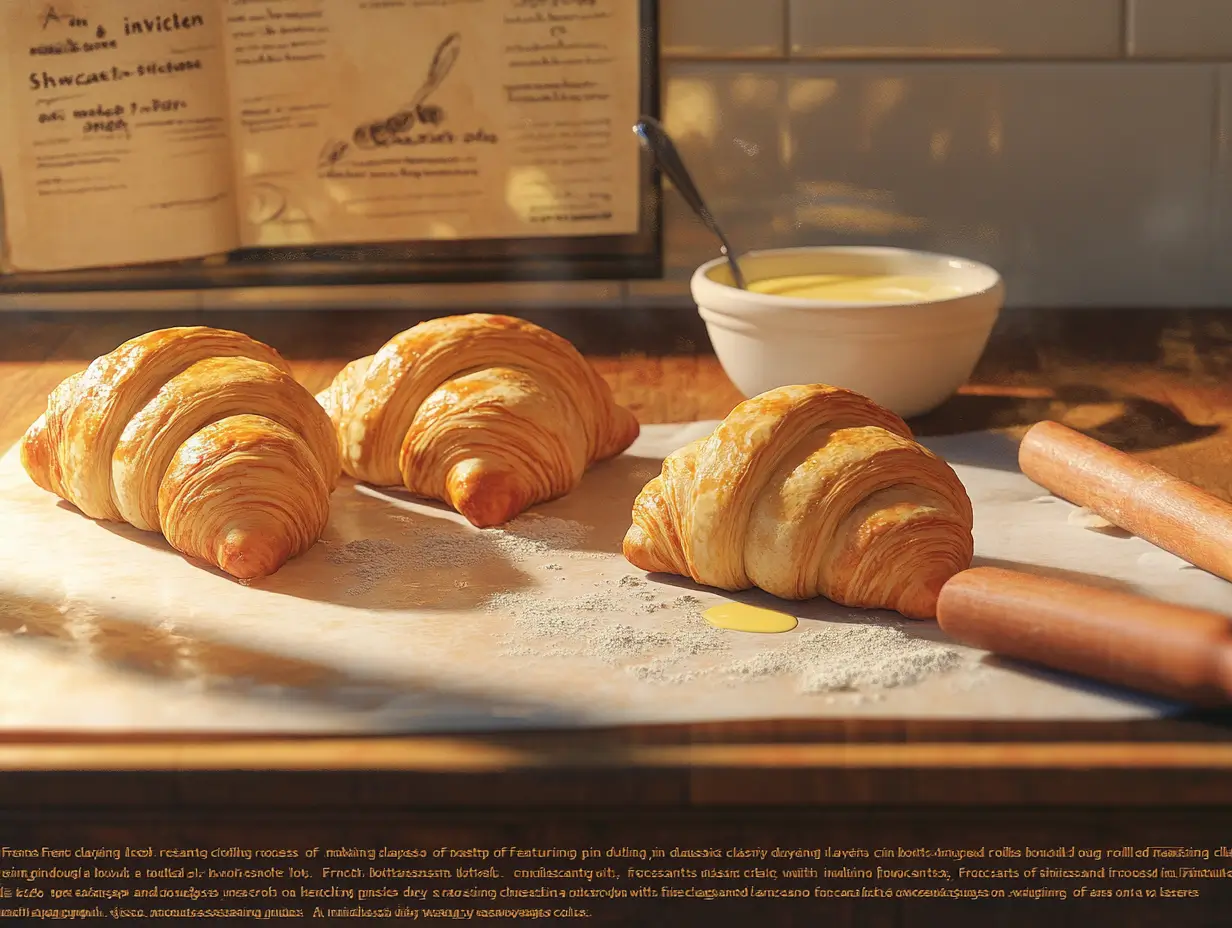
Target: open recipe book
{"x": 136, "y": 131}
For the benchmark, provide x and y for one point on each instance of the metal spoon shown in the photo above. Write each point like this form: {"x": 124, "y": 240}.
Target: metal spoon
{"x": 654, "y": 139}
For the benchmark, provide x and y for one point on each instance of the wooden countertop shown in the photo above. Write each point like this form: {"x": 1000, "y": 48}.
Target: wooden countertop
{"x": 1157, "y": 384}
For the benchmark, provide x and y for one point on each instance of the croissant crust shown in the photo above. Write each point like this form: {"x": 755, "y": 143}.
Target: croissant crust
{"x": 488, "y": 413}
{"x": 199, "y": 433}
{"x": 808, "y": 491}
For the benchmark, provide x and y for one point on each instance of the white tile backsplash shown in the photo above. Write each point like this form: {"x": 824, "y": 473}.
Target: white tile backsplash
{"x": 1048, "y": 137}
{"x": 723, "y": 28}
{"x": 956, "y": 28}
{"x": 1085, "y": 184}
{"x": 1179, "y": 28}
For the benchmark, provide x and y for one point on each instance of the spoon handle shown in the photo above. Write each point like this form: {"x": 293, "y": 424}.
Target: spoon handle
{"x": 654, "y": 138}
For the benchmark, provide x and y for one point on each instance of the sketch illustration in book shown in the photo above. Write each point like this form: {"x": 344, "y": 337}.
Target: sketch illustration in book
{"x": 267, "y": 202}
{"x": 419, "y": 111}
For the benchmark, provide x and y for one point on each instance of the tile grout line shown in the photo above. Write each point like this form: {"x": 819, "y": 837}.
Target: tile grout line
{"x": 947, "y": 60}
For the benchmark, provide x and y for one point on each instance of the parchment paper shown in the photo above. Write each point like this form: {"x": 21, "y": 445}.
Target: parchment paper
{"x": 103, "y": 627}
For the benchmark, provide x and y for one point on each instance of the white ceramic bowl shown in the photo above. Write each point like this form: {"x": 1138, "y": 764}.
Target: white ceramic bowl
{"x": 909, "y": 357}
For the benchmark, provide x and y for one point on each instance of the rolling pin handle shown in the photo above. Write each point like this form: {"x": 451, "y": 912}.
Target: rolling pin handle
{"x": 1133, "y": 495}
{"x": 1120, "y": 638}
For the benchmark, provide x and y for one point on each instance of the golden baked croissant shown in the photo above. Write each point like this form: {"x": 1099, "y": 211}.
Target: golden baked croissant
{"x": 805, "y": 491}
{"x": 488, "y": 413}
{"x": 199, "y": 433}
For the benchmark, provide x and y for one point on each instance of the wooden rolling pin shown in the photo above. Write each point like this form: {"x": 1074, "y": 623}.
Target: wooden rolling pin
{"x": 1131, "y": 494}
{"x": 1126, "y": 640}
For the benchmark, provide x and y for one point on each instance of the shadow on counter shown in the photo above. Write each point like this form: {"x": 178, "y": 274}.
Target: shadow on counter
{"x": 178, "y": 662}
{"x": 1126, "y": 422}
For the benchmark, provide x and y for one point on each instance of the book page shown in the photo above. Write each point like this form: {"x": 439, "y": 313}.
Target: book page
{"x": 387, "y": 120}
{"x": 7, "y": 154}
{"x": 117, "y": 133}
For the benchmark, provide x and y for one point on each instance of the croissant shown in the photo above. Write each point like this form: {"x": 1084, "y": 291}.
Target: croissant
{"x": 199, "y": 433}
{"x": 487, "y": 413}
{"x": 806, "y": 491}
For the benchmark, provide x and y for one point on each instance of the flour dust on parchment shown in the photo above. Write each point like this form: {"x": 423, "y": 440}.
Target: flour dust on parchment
{"x": 654, "y": 631}
{"x": 833, "y": 658}
{"x": 442, "y": 544}
{"x": 839, "y": 658}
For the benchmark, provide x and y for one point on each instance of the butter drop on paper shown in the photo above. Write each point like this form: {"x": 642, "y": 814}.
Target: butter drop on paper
{"x": 1085, "y": 518}
{"x": 741, "y": 618}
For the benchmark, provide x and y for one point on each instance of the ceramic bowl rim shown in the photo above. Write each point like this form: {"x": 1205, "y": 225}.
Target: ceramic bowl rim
{"x": 703, "y": 285}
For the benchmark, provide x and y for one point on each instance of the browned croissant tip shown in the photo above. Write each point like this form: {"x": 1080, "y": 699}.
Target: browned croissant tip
{"x": 36, "y": 454}
{"x": 247, "y": 555}
{"x": 639, "y": 551}
{"x": 631, "y": 549}
{"x": 921, "y": 602}
{"x": 488, "y": 498}
{"x": 627, "y": 428}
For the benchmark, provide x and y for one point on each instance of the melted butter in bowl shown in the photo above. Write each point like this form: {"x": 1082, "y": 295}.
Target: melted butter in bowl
{"x": 904, "y": 328}
{"x": 859, "y": 288}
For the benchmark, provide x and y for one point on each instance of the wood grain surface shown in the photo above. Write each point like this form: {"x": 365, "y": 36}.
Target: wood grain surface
{"x": 1157, "y": 385}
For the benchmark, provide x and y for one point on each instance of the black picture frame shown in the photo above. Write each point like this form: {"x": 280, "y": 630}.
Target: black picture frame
{"x": 636, "y": 256}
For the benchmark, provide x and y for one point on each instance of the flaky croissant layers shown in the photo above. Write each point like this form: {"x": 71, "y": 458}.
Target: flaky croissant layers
{"x": 199, "y": 433}
{"x": 808, "y": 491}
{"x": 488, "y": 413}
